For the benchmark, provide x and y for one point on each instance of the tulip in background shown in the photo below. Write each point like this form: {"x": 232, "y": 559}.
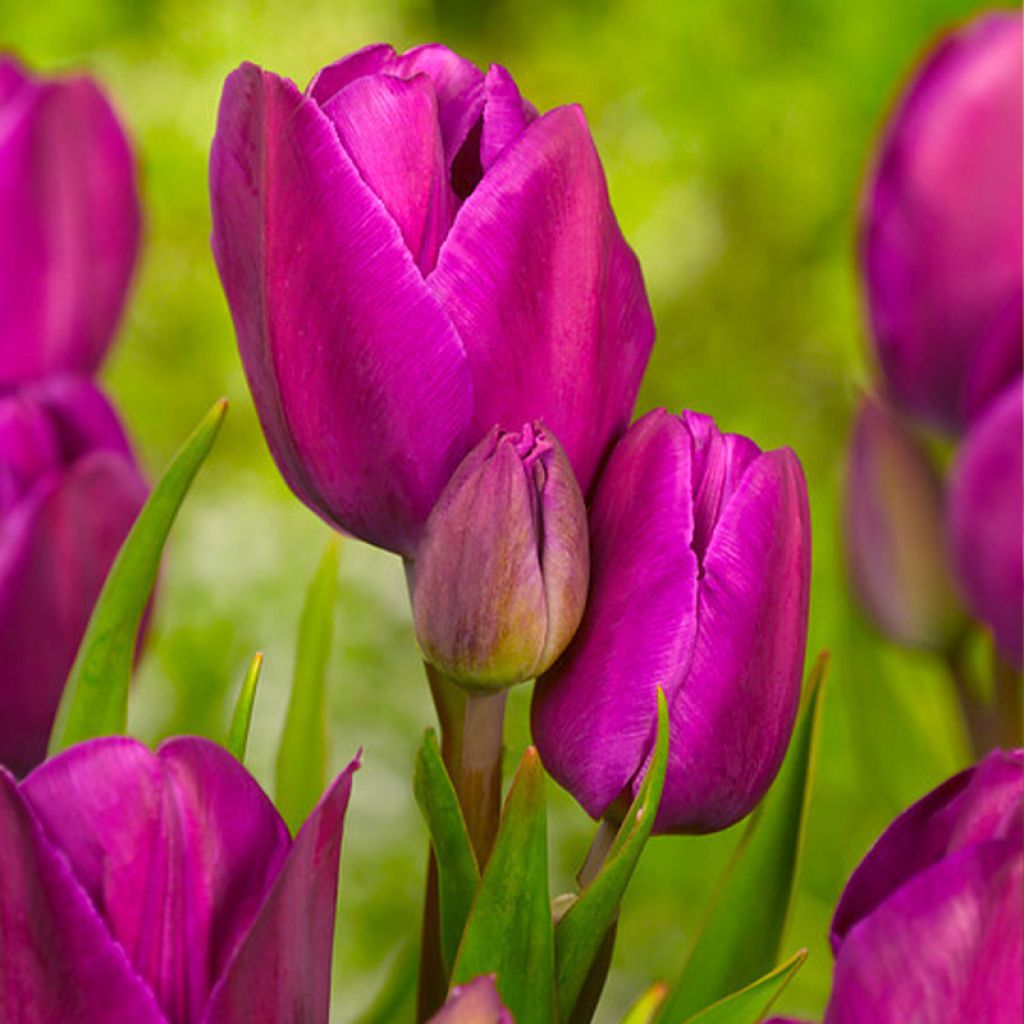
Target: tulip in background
{"x": 163, "y": 889}
{"x": 69, "y": 491}
{"x": 70, "y": 215}
{"x": 500, "y": 579}
{"x": 412, "y": 255}
{"x": 941, "y": 235}
{"x": 700, "y": 580}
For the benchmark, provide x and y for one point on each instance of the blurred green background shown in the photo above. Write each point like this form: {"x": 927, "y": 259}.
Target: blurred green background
{"x": 735, "y": 136}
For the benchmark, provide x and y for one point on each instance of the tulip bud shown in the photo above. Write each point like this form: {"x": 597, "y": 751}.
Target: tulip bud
{"x": 500, "y": 579}
{"x": 941, "y": 236}
{"x": 986, "y": 513}
{"x": 894, "y": 525}
{"x": 700, "y": 579}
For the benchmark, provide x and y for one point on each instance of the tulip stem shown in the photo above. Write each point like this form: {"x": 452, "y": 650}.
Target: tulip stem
{"x": 992, "y": 720}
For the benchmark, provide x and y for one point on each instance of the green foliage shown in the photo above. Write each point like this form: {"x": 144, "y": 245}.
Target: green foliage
{"x": 238, "y": 732}
{"x": 95, "y": 699}
{"x": 750, "y": 1005}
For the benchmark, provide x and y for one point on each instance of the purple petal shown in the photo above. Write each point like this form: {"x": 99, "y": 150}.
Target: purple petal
{"x": 946, "y": 946}
{"x": 282, "y": 970}
{"x": 986, "y": 510}
{"x": 59, "y": 962}
{"x": 546, "y": 295}
{"x": 593, "y": 714}
{"x": 941, "y": 240}
{"x": 175, "y": 850}
{"x": 476, "y": 1002}
{"x": 56, "y": 546}
{"x": 734, "y": 712}
{"x": 71, "y": 220}
{"x": 368, "y": 61}
{"x": 505, "y": 115}
{"x": 390, "y": 129}
{"x": 975, "y": 806}
{"x": 358, "y": 376}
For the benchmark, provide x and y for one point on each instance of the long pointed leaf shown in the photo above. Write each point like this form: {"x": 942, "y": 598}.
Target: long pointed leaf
{"x": 580, "y": 932}
{"x": 241, "y": 718}
{"x": 302, "y": 753}
{"x": 509, "y": 931}
{"x": 751, "y": 1004}
{"x": 743, "y": 930}
{"x": 457, "y": 872}
{"x": 95, "y": 699}
{"x": 643, "y": 1011}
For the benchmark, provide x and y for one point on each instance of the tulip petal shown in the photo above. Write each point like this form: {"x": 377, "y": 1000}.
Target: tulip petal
{"x": 358, "y": 376}
{"x": 330, "y": 79}
{"x": 986, "y": 509}
{"x": 476, "y": 1002}
{"x": 547, "y": 297}
{"x": 946, "y": 946}
{"x": 281, "y": 973}
{"x": 57, "y": 959}
{"x": 390, "y": 129}
{"x": 55, "y": 549}
{"x": 973, "y": 806}
{"x": 71, "y": 221}
{"x": 177, "y": 850}
{"x": 640, "y": 529}
{"x": 733, "y": 715}
{"x": 505, "y": 115}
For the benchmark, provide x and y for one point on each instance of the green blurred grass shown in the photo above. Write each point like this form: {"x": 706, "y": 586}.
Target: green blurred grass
{"x": 734, "y": 136}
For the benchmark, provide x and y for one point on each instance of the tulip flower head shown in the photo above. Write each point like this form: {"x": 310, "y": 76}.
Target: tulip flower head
{"x": 941, "y": 237}
{"x": 500, "y": 579}
{"x": 71, "y": 223}
{"x": 163, "y": 889}
{"x": 69, "y": 492}
{"x": 412, "y": 254}
{"x": 476, "y": 1002}
{"x": 700, "y": 577}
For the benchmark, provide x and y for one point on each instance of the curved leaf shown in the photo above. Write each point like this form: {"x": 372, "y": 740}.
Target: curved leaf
{"x": 238, "y": 731}
{"x": 750, "y": 1005}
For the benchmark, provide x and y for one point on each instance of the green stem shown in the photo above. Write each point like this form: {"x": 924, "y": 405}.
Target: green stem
{"x": 976, "y": 717}
{"x": 1007, "y": 686}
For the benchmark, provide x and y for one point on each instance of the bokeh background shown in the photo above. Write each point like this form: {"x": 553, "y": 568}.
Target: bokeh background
{"x": 735, "y": 137}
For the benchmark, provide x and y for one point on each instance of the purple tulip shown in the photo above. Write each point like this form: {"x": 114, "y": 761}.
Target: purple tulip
{"x": 500, "y": 579}
{"x": 941, "y": 233}
{"x": 163, "y": 889}
{"x": 895, "y": 532}
{"x": 700, "y": 572}
{"x": 986, "y": 513}
{"x": 476, "y": 1002}
{"x": 69, "y": 492}
{"x": 70, "y": 215}
{"x": 412, "y": 255}
{"x": 929, "y": 927}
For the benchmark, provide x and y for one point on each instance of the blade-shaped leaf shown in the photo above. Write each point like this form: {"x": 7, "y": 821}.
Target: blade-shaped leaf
{"x": 751, "y": 1004}
{"x": 509, "y": 931}
{"x": 238, "y": 731}
{"x": 302, "y": 753}
{"x": 95, "y": 699}
{"x": 457, "y": 872}
{"x": 743, "y": 928}
{"x": 644, "y": 1009}
{"x": 580, "y": 932}
{"x": 395, "y": 1000}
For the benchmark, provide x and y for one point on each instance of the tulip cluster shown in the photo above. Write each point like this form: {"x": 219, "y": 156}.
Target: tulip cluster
{"x": 69, "y": 484}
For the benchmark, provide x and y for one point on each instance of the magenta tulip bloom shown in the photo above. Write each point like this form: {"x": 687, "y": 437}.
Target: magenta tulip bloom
{"x": 70, "y": 215}
{"x": 476, "y": 1002}
{"x": 986, "y": 513}
{"x": 69, "y": 492}
{"x": 163, "y": 889}
{"x": 941, "y": 235}
{"x": 500, "y": 579}
{"x": 930, "y": 926}
{"x": 412, "y": 255}
{"x": 895, "y": 533}
{"x": 700, "y": 574}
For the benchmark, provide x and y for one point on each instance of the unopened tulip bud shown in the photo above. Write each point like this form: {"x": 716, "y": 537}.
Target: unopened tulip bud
{"x": 500, "y": 580}
{"x": 894, "y": 533}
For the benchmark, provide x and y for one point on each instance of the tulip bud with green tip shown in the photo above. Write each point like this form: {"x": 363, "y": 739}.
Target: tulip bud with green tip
{"x": 500, "y": 579}
{"x": 894, "y": 533}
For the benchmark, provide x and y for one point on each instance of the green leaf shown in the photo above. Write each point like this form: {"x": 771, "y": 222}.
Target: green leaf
{"x": 580, "y": 932}
{"x": 643, "y": 1011}
{"x": 302, "y": 753}
{"x": 509, "y": 931}
{"x": 743, "y": 928}
{"x": 238, "y": 732}
{"x": 95, "y": 699}
{"x": 395, "y": 1001}
{"x": 751, "y": 1004}
{"x": 457, "y": 872}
